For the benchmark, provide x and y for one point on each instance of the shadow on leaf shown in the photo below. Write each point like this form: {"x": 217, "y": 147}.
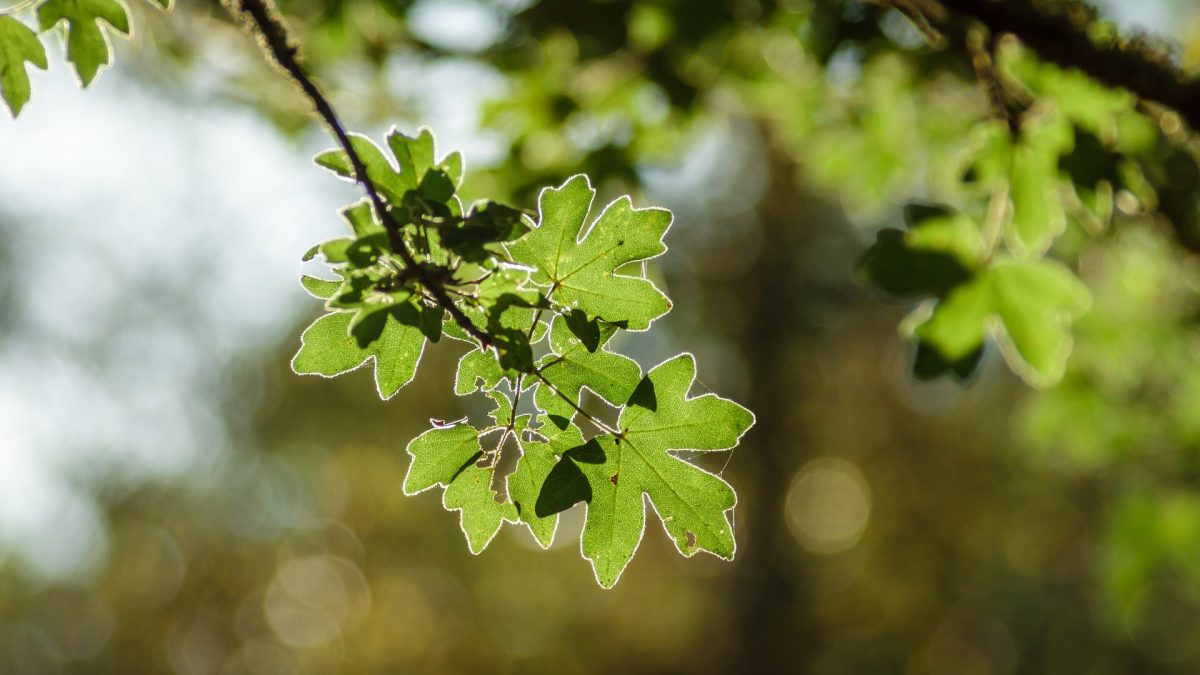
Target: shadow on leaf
{"x": 567, "y": 485}
{"x": 644, "y": 396}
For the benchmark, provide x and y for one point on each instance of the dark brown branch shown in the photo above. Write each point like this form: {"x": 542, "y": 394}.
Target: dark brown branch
{"x": 1061, "y": 37}
{"x": 979, "y": 45}
{"x": 276, "y": 42}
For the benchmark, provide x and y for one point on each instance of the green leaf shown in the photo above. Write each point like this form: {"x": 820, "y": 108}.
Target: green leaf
{"x": 587, "y": 330}
{"x": 328, "y": 349}
{"x": 334, "y": 250}
{"x": 572, "y": 366}
{"x": 472, "y": 494}
{"x": 351, "y": 293}
{"x": 477, "y": 369}
{"x": 1035, "y": 303}
{"x": 414, "y": 154}
{"x": 1029, "y": 306}
{"x": 486, "y": 223}
{"x": 536, "y": 507}
{"x": 929, "y": 364}
{"x": 892, "y": 265}
{"x": 506, "y": 286}
{"x": 692, "y": 503}
{"x": 87, "y": 44}
{"x": 1038, "y": 216}
{"x": 379, "y": 170}
{"x": 958, "y": 325}
{"x": 448, "y": 456}
{"x": 18, "y": 45}
{"x": 414, "y": 172}
{"x": 361, "y": 218}
{"x": 940, "y": 250}
{"x": 368, "y": 322}
{"x": 320, "y": 288}
{"x": 452, "y": 165}
{"x": 583, "y": 274}
{"x": 503, "y": 412}
{"x": 939, "y": 228}
{"x": 991, "y": 160}
{"x": 1028, "y": 167}
{"x": 506, "y": 311}
{"x": 365, "y": 251}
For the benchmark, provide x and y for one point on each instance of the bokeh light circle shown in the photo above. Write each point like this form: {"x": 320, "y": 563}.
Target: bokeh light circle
{"x": 828, "y": 505}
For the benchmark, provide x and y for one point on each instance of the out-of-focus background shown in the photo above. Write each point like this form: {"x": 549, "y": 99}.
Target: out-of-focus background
{"x": 174, "y": 500}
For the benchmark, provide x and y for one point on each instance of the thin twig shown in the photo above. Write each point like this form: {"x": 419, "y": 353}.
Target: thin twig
{"x": 586, "y": 415}
{"x": 916, "y": 11}
{"x": 978, "y": 43}
{"x": 512, "y": 416}
{"x": 277, "y": 42}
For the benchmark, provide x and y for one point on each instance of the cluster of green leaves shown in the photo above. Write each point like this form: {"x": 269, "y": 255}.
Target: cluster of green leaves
{"x": 87, "y": 41}
{"x": 1025, "y": 303}
{"x": 988, "y": 268}
{"x": 550, "y": 294}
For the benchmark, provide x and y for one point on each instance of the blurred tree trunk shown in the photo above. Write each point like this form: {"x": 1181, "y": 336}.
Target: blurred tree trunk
{"x": 770, "y": 597}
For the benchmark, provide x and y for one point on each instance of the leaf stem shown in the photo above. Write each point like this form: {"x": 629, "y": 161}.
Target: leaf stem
{"x": 512, "y": 415}
{"x": 512, "y": 418}
{"x": 278, "y": 44}
{"x": 993, "y": 224}
{"x": 537, "y": 372}
{"x": 586, "y": 415}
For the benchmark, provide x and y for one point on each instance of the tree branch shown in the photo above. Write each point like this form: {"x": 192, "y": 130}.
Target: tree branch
{"x": 277, "y": 43}
{"x": 1061, "y": 37}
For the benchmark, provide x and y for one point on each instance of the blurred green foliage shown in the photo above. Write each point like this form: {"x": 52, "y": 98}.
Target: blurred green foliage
{"x": 887, "y": 525}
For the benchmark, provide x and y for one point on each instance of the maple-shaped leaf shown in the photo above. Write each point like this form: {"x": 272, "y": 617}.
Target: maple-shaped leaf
{"x": 18, "y": 45}
{"x": 1028, "y": 167}
{"x": 318, "y": 287}
{"x": 478, "y": 235}
{"x": 413, "y": 175}
{"x": 537, "y": 500}
{"x": 1028, "y": 306}
{"x": 580, "y": 264}
{"x": 328, "y": 348}
{"x": 477, "y": 369}
{"x": 1035, "y": 303}
{"x": 87, "y": 44}
{"x": 449, "y": 456}
{"x": 575, "y": 364}
{"x": 659, "y": 419}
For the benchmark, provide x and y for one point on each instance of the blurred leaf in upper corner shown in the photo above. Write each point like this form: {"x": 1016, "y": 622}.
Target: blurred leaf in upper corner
{"x": 87, "y": 47}
{"x": 18, "y": 45}
{"x": 1109, "y": 113}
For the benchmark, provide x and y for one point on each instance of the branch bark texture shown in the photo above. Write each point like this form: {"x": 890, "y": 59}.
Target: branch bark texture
{"x": 1058, "y": 32}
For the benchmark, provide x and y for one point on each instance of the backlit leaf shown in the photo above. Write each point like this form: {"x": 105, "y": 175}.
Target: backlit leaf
{"x": 579, "y": 264}
{"x": 18, "y": 45}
